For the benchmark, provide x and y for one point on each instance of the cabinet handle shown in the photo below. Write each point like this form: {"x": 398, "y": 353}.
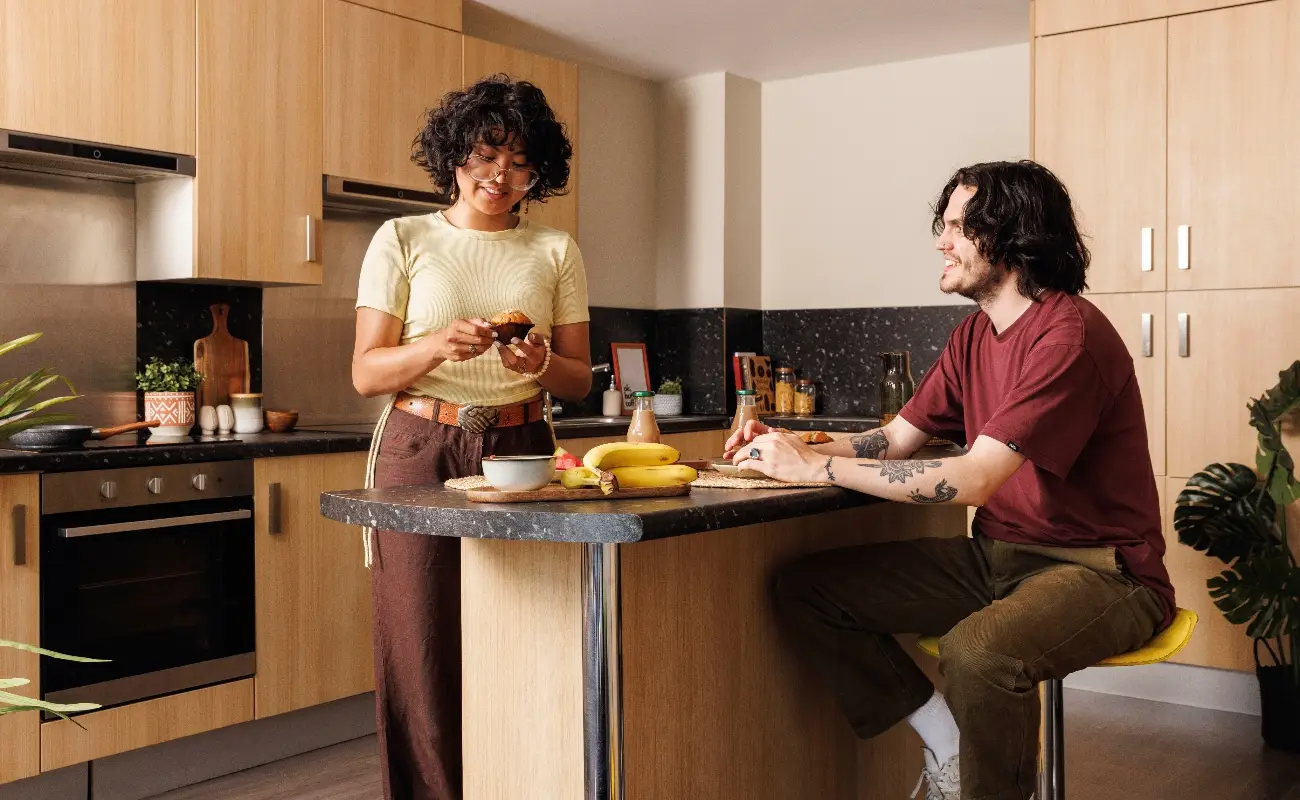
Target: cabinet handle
{"x": 1184, "y": 322}
{"x": 1184, "y": 246}
{"x": 1148, "y": 249}
{"x": 311, "y": 238}
{"x": 1147, "y": 319}
{"x": 274, "y": 508}
{"x": 20, "y": 535}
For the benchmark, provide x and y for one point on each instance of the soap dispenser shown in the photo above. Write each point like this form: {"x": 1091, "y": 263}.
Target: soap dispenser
{"x": 611, "y": 402}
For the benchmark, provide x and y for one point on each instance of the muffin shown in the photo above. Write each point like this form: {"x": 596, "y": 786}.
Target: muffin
{"x": 511, "y": 325}
{"x": 815, "y": 437}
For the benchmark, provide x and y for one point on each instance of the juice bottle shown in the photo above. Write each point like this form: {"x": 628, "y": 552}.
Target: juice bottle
{"x": 746, "y": 408}
{"x": 644, "y": 427}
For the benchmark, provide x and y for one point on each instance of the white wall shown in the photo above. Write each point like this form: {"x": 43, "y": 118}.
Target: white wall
{"x": 617, "y": 186}
{"x": 830, "y": 240}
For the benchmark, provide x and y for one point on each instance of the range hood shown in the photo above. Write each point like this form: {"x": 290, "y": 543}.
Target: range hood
{"x": 345, "y": 194}
{"x": 39, "y": 153}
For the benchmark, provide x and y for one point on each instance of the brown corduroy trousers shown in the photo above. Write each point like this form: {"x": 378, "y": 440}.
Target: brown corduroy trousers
{"x": 1010, "y": 616}
{"x": 416, "y": 580}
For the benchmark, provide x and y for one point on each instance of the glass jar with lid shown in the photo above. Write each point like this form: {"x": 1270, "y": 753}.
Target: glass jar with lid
{"x": 644, "y": 427}
{"x": 784, "y": 390}
{"x": 746, "y": 408}
{"x": 805, "y": 398}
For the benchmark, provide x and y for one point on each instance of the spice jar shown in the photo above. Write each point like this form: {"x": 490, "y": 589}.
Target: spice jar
{"x": 746, "y": 408}
{"x": 784, "y": 390}
{"x": 644, "y": 427}
{"x": 248, "y": 412}
{"x": 805, "y": 398}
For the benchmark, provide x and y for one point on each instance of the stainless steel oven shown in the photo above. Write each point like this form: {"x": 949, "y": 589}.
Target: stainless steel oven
{"x": 151, "y": 567}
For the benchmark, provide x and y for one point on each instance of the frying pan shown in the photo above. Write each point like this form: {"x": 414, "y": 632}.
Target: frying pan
{"x": 68, "y": 437}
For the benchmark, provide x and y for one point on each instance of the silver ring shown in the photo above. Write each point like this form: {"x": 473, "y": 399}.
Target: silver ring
{"x": 754, "y": 454}
{"x": 473, "y": 349}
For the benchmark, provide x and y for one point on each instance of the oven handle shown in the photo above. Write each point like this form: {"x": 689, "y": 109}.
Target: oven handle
{"x": 152, "y": 524}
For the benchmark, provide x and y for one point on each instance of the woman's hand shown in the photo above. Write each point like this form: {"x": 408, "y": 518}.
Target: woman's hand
{"x": 462, "y": 340}
{"x": 531, "y": 354}
{"x": 781, "y": 456}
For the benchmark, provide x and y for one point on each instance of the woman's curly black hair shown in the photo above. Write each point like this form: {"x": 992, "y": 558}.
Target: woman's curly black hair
{"x": 492, "y": 111}
{"x": 1021, "y": 216}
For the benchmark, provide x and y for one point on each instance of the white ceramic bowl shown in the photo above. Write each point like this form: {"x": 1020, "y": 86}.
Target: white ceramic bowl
{"x": 519, "y": 473}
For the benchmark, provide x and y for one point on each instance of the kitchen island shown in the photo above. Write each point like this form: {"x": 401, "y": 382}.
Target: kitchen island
{"x": 628, "y": 648}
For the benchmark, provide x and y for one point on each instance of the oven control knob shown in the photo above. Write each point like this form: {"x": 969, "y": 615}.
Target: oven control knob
{"x": 108, "y": 490}
{"x": 200, "y": 482}
{"x": 155, "y": 485}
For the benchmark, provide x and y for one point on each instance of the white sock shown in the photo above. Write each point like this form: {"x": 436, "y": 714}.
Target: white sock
{"x": 934, "y": 723}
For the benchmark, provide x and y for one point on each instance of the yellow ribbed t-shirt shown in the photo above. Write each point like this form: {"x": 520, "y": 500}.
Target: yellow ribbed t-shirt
{"x": 428, "y": 273}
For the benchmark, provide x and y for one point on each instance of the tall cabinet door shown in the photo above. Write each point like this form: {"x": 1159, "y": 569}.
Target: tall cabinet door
{"x": 382, "y": 72}
{"x": 20, "y": 619}
{"x": 1099, "y": 124}
{"x": 559, "y": 80}
{"x": 313, "y": 590}
{"x": 1234, "y": 109}
{"x": 260, "y": 145}
{"x": 1139, "y": 319}
{"x": 1234, "y": 346}
{"x": 112, "y": 71}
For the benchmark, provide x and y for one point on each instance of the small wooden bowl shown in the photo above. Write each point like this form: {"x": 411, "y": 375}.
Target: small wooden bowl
{"x": 281, "y": 421}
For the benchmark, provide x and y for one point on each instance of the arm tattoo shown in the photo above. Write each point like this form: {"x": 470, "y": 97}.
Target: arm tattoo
{"x": 942, "y": 494}
{"x": 830, "y": 476}
{"x": 873, "y": 444}
{"x": 900, "y": 471}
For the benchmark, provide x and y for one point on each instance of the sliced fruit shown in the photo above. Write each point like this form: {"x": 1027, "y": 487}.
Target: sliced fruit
{"x": 565, "y": 460}
{"x": 629, "y": 454}
{"x": 648, "y": 477}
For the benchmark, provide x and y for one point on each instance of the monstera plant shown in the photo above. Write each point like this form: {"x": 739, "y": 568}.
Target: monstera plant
{"x": 1237, "y": 515}
{"x": 17, "y": 411}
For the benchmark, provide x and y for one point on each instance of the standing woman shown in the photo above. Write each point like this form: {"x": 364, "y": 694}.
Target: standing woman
{"x": 429, "y": 284}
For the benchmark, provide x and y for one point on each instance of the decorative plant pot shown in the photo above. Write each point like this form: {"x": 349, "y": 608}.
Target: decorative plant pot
{"x": 1280, "y": 706}
{"x": 667, "y": 405}
{"x": 175, "y": 410}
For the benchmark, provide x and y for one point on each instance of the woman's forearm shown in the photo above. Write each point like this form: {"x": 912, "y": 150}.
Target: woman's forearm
{"x": 387, "y": 370}
{"x": 567, "y": 378}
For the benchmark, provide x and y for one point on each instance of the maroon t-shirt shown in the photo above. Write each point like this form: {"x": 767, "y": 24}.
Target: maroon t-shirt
{"x": 1057, "y": 386}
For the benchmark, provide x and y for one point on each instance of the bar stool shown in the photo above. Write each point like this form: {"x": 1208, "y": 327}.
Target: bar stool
{"x": 1051, "y": 776}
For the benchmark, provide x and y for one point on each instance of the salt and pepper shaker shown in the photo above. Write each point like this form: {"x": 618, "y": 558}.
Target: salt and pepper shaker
{"x": 225, "y": 419}
{"x": 207, "y": 420}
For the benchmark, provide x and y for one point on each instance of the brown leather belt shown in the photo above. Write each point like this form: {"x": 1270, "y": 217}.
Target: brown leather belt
{"x": 472, "y": 418}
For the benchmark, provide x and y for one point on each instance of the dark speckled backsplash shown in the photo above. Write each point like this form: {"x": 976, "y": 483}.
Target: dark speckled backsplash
{"x": 170, "y": 317}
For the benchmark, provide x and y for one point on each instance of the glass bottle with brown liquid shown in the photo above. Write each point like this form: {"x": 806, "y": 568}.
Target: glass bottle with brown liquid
{"x": 644, "y": 427}
{"x": 746, "y": 408}
{"x": 896, "y": 384}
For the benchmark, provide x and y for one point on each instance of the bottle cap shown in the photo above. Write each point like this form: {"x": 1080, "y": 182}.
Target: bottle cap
{"x": 805, "y": 382}
{"x": 785, "y": 369}
{"x": 742, "y": 392}
{"x": 643, "y": 394}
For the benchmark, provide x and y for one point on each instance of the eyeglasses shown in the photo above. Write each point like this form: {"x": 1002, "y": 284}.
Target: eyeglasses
{"x": 485, "y": 170}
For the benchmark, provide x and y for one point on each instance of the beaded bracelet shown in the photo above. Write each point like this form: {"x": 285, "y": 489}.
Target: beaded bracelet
{"x": 546, "y": 364}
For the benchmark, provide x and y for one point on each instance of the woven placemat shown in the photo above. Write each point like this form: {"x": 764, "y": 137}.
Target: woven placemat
{"x": 709, "y": 479}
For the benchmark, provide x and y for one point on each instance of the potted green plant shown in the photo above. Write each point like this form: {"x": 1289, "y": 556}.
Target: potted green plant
{"x": 668, "y": 400}
{"x": 1236, "y": 514}
{"x": 17, "y": 411}
{"x": 168, "y": 388}
{"x": 13, "y": 703}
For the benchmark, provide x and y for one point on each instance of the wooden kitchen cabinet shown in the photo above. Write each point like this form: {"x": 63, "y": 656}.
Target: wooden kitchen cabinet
{"x": 313, "y": 589}
{"x": 1059, "y": 16}
{"x": 260, "y": 98}
{"x": 381, "y": 73}
{"x": 1139, "y": 319}
{"x": 106, "y": 71}
{"x": 1099, "y": 124}
{"x": 559, "y": 81}
{"x": 443, "y": 13}
{"x": 1237, "y": 343}
{"x": 1234, "y": 107}
{"x": 20, "y": 619}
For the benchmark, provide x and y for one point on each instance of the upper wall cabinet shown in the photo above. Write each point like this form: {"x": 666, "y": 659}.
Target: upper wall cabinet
{"x": 381, "y": 73}
{"x": 443, "y": 13}
{"x": 258, "y": 190}
{"x": 1099, "y": 123}
{"x": 108, "y": 71}
{"x": 1059, "y": 16}
{"x": 559, "y": 81}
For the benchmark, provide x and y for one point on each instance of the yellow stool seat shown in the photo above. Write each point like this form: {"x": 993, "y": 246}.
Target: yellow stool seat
{"x": 1162, "y": 647}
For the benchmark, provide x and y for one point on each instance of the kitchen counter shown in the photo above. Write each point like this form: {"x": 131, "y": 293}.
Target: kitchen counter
{"x": 827, "y": 424}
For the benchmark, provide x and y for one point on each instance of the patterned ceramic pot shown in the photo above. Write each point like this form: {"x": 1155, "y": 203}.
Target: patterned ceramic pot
{"x": 175, "y": 410}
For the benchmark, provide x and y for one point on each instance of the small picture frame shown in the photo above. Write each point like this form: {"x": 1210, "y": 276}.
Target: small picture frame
{"x": 631, "y": 370}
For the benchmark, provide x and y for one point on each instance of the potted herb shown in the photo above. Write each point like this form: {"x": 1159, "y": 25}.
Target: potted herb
{"x": 17, "y": 411}
{"x": 1229, "y": 513}
{"x": 168, "y": 388}
{"x": 668, "y": 400}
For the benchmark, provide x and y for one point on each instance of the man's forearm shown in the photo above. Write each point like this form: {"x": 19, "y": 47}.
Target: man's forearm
{"x": 869, "y": 444}
{"x": 924, "y": 481}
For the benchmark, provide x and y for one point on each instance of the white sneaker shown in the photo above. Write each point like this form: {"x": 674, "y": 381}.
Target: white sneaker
{"x": 942, "y": 783}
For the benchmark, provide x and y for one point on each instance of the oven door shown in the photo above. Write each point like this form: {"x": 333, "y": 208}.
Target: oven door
{"x": 165, "y": 592}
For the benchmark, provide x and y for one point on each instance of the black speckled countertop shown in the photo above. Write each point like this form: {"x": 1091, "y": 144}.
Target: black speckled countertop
{"x": 438, "y": 510}
{"x": 828, "y": 424}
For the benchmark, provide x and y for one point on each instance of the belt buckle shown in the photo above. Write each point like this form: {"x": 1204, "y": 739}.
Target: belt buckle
{"x": 476, "y": 419}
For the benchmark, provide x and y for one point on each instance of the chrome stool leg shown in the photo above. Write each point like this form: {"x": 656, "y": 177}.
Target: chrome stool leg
{"x": 1051, "y": 775}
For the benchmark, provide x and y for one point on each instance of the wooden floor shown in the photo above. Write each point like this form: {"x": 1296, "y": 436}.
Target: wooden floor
{"x": 1116, "y": 748}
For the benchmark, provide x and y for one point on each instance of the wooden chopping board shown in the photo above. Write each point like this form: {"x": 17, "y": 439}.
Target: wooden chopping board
{"x": 557, "y": 493}
{"x": 223, "y": 361}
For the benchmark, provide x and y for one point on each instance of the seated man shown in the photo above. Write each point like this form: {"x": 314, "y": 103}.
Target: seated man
{"x": 1065, "y": 565}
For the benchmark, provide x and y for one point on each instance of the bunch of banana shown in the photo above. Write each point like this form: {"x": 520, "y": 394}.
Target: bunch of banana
{"x": 628, "y": 465}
